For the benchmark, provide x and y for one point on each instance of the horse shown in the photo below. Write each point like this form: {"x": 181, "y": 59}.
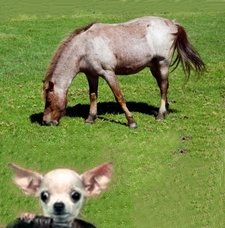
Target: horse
{"x": 108, "y": 50}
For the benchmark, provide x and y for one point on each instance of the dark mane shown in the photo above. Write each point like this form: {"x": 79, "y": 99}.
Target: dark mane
{"x": 60, "y": 49}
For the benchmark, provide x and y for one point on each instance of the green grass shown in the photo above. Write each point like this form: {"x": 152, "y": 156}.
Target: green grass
{"x": 167, "y": 174}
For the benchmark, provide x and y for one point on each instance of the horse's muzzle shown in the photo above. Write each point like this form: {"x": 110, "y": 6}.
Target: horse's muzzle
{"x": 50, "y": 122}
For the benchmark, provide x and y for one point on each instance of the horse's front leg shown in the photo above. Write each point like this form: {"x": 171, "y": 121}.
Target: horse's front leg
{"x": 160, "y": 71}
{"x": 93, "y": 95}
{"x": 112, "y": 81}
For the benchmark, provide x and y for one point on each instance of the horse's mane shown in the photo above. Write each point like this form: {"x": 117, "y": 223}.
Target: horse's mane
{"x": 60, "y": 49}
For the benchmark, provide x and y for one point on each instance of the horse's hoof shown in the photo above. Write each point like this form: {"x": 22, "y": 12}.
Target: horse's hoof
{"x": 132, "y": 125}
{"x": 90, "y": 119}
{"x": 87, "y": 121}
{"x": 160, "y": 116}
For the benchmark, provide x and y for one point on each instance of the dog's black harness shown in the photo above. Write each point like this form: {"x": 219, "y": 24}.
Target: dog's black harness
{"x": 45, "y": 222}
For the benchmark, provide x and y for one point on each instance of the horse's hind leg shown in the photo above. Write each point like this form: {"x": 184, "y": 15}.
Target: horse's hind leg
{"x": 111, "y": 79}
{"x": 93, "y": 95}
{"x": 160, "y": 70}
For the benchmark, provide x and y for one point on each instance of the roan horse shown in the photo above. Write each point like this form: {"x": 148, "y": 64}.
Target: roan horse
{"x": 109, "y": 49}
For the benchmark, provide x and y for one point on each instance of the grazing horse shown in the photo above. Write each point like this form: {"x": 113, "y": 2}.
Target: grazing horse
{"x": 108, "y": 50}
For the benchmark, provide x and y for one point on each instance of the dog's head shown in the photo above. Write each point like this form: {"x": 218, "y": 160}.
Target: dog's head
{"x": 62, "y": 191}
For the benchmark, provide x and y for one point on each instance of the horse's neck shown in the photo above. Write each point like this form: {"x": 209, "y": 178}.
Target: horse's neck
{"x": 66, "y": 66}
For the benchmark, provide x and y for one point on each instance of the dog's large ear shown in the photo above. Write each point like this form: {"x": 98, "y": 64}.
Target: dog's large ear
{"x": 97, "y": 179}
{"x": 27, "y": 180}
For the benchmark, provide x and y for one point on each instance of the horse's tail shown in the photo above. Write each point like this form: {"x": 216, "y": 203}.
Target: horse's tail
{"x": 186, "y": 54}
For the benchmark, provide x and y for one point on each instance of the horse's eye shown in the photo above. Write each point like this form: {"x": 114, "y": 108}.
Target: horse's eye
{"x": 75, "y": 196}
{"x": 44, "y": 196}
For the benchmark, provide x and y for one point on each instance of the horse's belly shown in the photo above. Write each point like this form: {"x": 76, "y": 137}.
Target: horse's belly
{"x": 129, "y": 69}
{"x": 132, "y": 64}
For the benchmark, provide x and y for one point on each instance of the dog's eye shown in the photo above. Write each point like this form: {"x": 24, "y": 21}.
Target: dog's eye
{"x": 44, "y": 196}
{"x": 75, "y": 196}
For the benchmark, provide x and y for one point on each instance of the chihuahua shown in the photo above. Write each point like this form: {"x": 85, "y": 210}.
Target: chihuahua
{"x": 62, "y": 191}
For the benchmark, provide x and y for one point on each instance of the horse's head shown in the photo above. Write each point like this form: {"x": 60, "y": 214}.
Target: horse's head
{"x": 55, "y": 103}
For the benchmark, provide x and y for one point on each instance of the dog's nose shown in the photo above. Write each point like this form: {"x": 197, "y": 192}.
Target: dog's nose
{"x": 59, "y": 207}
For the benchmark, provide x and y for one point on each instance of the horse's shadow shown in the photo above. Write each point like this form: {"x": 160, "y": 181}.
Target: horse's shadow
{"x": 82, "y": 110}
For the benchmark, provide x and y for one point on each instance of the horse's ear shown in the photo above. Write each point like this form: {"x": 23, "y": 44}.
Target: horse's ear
{"x": 50, "y": 86}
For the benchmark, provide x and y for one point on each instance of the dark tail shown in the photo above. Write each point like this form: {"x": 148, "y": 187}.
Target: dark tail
{"x": 186, "y": 54}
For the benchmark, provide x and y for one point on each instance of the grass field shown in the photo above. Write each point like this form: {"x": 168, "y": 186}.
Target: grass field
{"x": 166, "y": 174}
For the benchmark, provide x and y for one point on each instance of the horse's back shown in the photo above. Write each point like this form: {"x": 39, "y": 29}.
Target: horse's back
{"x": 143, "y": 24}
{"x": 150, "y": 32}
{"x": 130, "y": 46}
